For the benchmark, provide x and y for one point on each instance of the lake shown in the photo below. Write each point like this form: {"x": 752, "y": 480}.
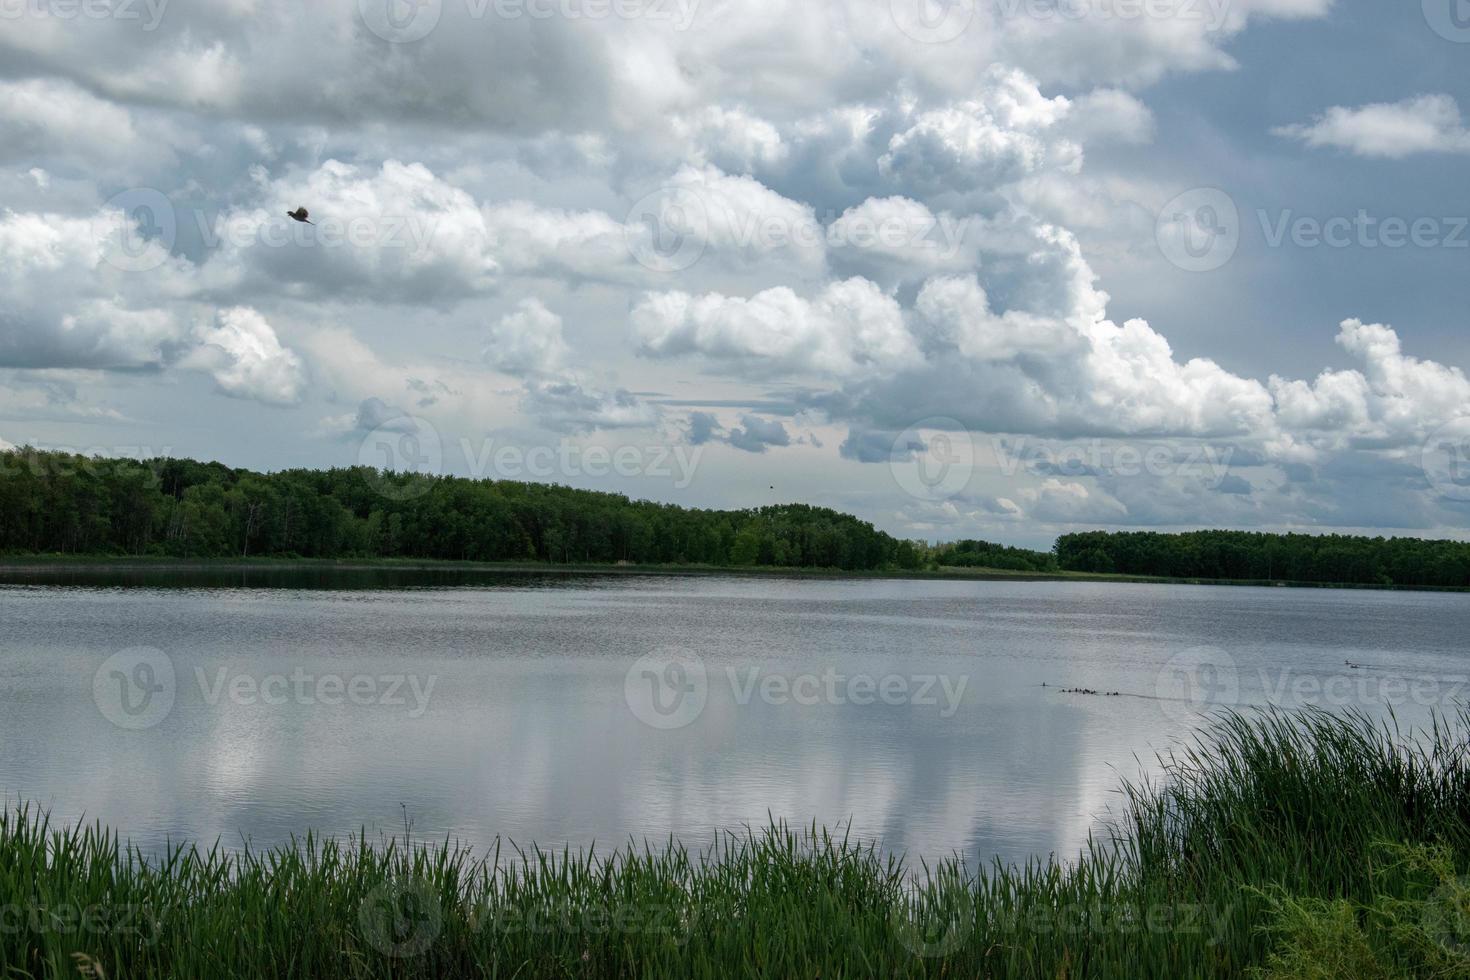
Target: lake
{"x": 568, "y": 708}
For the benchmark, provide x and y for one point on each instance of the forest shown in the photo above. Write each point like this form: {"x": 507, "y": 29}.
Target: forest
{"x": 57, "y": 503}
{"x": 1320, "y": 558}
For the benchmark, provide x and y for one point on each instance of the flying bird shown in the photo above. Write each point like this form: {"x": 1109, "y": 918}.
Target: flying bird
{"x": 300, "y": 215}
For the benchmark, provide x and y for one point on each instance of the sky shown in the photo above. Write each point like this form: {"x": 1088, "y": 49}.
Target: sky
{"x": 966, "y": 268}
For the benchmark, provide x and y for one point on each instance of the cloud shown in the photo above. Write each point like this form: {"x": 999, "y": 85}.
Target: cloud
{"x": 240, "y": 350}
{"x": 72, "y": 297}
{"x": 43, "y": 118}
{"x": 998, "y": 138}
{"x": 1423, "y": 124}
{"x": 568, "y": 405}
{"x": 850, "y": 328}
{"x": 756, "y": 435}
{"x": 474, "y": 68}
{"x": 1394, "y": 400}
{"x": 527, "y": 341}
{"x": 703, "y": 427}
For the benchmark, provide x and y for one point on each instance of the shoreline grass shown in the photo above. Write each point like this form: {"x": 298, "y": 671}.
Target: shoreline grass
{"x": 1276, "y": 845}
{"x": 40, "y": 563}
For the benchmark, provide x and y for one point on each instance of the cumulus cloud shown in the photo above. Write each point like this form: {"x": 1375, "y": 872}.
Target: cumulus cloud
{"x": 526, "y": 74}
{"x": 240, "y": 350}
{"x": 851, "y": 328}
{"x": 527, "y": 341}
{"x": 998, "y": 138}
{"x": 1423, "y": 124}
{"x": 74, "y": 295}
{"x": 1393, "y": 400}
{"x": 801, "y": 200}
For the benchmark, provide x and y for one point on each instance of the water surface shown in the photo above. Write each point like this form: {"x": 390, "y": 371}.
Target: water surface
{"x": 485, "y": 704}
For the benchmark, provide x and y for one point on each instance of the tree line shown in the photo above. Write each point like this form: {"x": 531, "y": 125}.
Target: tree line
{"x": 67, "y": 504}
{"x": 1326, "y": 558}
{"x": 58, "y": 503}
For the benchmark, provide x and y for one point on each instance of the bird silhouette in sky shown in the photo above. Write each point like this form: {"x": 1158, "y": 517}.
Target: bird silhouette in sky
{"x": 300, "y": 215}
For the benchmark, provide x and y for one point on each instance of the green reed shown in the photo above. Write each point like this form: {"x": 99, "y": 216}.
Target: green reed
{"x": 1284, "y": 845}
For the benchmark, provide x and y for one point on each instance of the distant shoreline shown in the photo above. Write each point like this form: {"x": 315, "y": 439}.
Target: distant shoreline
{"x": 22, "y": 564}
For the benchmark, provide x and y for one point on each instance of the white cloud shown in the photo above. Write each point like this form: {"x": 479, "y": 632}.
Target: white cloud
{"x": 71, "y": 299}
{"x": 1394, "y": 400}
{"x": 1424, "y": 124}
{"x": 851, "y": 328}
{"x": 527, "y": 341}
{"x": 999, "y": 137}
{"x": 240, "y": 350}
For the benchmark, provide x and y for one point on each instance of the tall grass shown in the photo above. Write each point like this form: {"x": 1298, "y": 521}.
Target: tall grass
{"x": 1288, "y": 845}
